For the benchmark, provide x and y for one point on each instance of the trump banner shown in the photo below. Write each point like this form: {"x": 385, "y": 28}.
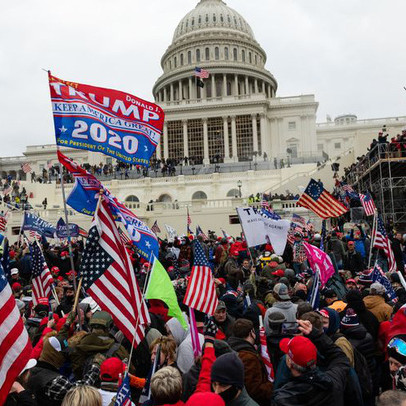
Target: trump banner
{"x": 104, "y": 120}
{"x": 62, "y": 229}
{"x": 319, "y": 261}
{"x": 260, "y": 230}
{"x": 37, "y": 224}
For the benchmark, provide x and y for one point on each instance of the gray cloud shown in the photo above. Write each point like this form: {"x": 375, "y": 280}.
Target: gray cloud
{"x": 348, "y": 53}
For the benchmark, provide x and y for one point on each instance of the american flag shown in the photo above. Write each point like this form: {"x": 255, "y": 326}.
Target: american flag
{"x": 41, "y": 276}
{"x": 34, "y": 235}
{"x": 347, "y": 188}
{"x": 26, "y": 167}
{"x": 14, "y": 341}
{"x": 201, "y": 292}
{"x": 201, "y": 73}
{"x": 3, "y": 221}
{"x": 265, "y": 355}
{"x": 379, "y": 276}
{"x": 367, "y": 203}
{"x": 299, "y": 220}
{"x": 155, "y": 228}
{"x": 381, "y": 241}
{"x": 123, "y": 397}
{"x": 124, "y": 237}
{"x": 321, "y": 202}
{"x": 83, "y": 232}
{"x": 199, "y": 231}
{"x": 188, "y": 220}
{"x": 108, "y": 276}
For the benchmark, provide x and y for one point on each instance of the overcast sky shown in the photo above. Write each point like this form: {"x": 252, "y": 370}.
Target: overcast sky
{"x": 349, "y": 53}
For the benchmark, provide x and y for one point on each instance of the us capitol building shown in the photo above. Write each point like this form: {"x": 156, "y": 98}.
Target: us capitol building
{"x": 234, "y": 131}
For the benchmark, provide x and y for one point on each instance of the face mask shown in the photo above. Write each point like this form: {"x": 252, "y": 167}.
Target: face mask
{"x": 229, "y": 394}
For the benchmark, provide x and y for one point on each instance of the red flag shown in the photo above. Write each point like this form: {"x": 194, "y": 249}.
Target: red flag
{"x": 15, "y": 345}
{"x": 108, "y": 276}
{"x": 201, "y": 292}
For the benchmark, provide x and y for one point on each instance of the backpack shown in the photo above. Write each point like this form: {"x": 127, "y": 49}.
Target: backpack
{"x": 364, "y": 375}
{"x": 108, "y": 354}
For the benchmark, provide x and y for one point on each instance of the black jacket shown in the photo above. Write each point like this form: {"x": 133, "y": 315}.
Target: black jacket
{"x": 353, "y": 262}
{"x": 316, "y": 388}
{"x": 360, "y": 339}
{"x": 397, "y": 252}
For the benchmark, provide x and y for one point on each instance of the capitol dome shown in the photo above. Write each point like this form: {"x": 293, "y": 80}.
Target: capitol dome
{"x": 211, "y": 15}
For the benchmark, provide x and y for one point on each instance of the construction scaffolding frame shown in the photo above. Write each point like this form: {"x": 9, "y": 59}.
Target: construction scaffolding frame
{"x": 382, "y": 171}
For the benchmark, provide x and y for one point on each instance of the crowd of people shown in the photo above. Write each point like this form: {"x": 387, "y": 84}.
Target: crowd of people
{"x": 268, "y": 197}
{"x": 350, "y": 349}
{"x": 380, "y": 148}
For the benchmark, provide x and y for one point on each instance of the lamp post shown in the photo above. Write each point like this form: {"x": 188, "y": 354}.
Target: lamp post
{"x": 239, "y": 184}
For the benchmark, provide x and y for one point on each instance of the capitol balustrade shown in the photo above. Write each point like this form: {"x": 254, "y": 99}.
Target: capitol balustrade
{"x": 379, "y": 122}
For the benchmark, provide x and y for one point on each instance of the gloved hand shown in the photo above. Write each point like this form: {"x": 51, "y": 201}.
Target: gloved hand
{"x": 210, "y": 330}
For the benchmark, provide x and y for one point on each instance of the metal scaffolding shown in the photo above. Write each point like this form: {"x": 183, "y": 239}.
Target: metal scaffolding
{"x": 382, "y": 171}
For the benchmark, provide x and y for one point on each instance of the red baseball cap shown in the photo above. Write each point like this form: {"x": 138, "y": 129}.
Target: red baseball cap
{"x": 300, "y": 350}
{"x": 64, "y": 253}
{"x": 16, "y": 286}
{"x": 111, "y": 369}
{"x": 55, "y": 269}
{"x": 350, "y": 280}
{"x": 43, "y": 301}
{"x": 279, "y": 272}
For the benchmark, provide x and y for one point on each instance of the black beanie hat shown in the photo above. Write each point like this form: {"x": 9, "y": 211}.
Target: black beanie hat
{"x": 228, "y": 369}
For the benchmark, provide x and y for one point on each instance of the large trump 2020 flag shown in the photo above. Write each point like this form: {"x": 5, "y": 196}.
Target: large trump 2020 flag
{"x": 105, "y": 120}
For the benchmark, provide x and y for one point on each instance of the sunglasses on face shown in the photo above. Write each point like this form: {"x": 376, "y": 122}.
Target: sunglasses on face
{"x": 399, "y": 345}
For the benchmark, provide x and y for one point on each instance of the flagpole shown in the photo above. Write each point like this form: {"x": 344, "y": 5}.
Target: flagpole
{"x": 21, "y": 229}
{"x": 138, "y": 315}
{"x": 372, "y": 238}
{"x": 67, "y": 226}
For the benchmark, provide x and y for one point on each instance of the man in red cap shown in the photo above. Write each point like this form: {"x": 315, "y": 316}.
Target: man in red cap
{"x": 308, "y": 385}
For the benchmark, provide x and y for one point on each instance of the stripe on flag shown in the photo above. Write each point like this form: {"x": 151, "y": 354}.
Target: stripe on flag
{"x": 368, "y": 204}
{"x": 15, "y": 345}
{"x": 321, "y": 202}
{"x": 381, "y": 241}
{"x": 201, "y": 292}
{"x": 109, "y": 278}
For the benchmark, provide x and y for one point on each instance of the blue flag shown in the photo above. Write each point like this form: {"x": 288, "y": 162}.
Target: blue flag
{"x": 5, "y": 258}
{"x": 35, "y": 223}
{"x": 123, "y": 397}
{"x": 379, "y": 276}
{"x": 62, "y": 230}
{"x": 270, "y": 214}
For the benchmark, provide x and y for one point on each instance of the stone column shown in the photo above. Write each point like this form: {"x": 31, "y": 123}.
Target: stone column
{"x": 226, "y": 144}
{"x": 213, "y": 86}
{"x": 180, "y": 94}
{"x": 158, "y": 150}
{"x": 254, "y": 132}
{"x": 256, "y": 86}
{"x": 185, "y": 139}
{"x": 264, "y": 135}
{"x": 206, "y": 159}
{"x": 235, "y": 85}
{"x": 171, "y": 87}
{"x": 166, "y": 141}
{"x": 247, "y": 90}
{"x": 234, "y": 139}
{"x": 165, "y": 95}
{"x": 190, "y": 89}
{"x": 224, "y": 85}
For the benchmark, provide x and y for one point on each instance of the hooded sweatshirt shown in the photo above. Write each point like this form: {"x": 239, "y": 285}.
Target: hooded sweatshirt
{"x": 288, "y": 309}
{"x": 377, "y": 305}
